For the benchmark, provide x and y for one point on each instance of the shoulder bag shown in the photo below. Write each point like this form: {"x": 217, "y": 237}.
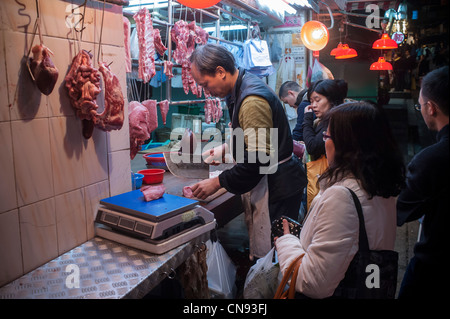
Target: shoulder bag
{"x": 372, "y": 274}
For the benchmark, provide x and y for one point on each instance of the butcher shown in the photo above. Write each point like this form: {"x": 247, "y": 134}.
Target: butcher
{"x": 269, "y": 193}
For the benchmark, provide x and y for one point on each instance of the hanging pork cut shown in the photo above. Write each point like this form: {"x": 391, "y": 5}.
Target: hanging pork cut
{"x": 144, "y": 27}
{"x": 139, "y": 119}
{"x": 113, "y": 114}
{"x": 83, "y": 85}
{"x": 159, "y": 46}
{"x": 186, "y": 36}
{"x": 164, "y": 109}
{"x": 44, "y": 72}
{"x": 213, "y": 110}
{"x": 151, "y": 106}
{"x": 127, "y": 41}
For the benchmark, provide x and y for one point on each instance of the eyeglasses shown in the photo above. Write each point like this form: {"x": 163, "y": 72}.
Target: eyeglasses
{"x": 326, "y": 136}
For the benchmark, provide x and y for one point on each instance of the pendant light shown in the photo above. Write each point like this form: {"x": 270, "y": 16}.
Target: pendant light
{"x": 380, "y": 65}
{"x": 336, "y": 50}
{"x": 346, "y": 53}
{"x": 198, "y": 4}
{"x": 385, "y": 43}
{"x": 314, "y": 35}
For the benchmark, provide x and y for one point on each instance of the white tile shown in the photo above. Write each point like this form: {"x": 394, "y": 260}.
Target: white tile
{"x": 93, "y": 194}
{"x": 66, "y": 144}
{"x": 38, "y": 233}
{"x": 119, "y": 172}
{"x": 60, "y": 17}
{"x": 95, "y": 158}
{"x": 112, "y": 32}
{"x": 32, "y": 160}
{"x": 4, "y": 101}
{"x": 10, "y": 248}
{"x": 27, "y": 102}
{"x": 70, "y": 220}
{"x": 8, "y": 197}
{"x": 18, "y": 15}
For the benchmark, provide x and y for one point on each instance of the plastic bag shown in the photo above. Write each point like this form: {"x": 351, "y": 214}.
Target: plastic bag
{"x": 320, "y": 72}
{"x": 221, "y": 272}
{"x": 263, "y": 278}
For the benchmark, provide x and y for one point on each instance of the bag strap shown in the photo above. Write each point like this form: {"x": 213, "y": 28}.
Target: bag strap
{"x": 291, "y": 271}
{"x": 363, "y": 241}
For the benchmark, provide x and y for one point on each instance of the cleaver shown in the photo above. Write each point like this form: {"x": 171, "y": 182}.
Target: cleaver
{"x": 186, "y": 165}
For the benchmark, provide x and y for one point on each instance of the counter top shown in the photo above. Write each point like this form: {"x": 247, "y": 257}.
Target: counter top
{"x": 225, "y": 206}
{"x": 100, "y": 269}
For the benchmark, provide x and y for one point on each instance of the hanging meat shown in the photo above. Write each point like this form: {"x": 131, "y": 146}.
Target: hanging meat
{"x": 168, "y": 67}
{"x": 143, "y": 120}
{"x": 45, "y": 74}
{"x": 159, "y": 46}
{"x": 186, "y": 36}
{"x": 213, "y": 110}
{"x": 113, "y": 114}
{"x": 127, "y": 36}
{"x": 139, "y": 119}
{"x": 83, "y": 85}
{"x": 164, "y": 109}
{"x": 144, "y": 27}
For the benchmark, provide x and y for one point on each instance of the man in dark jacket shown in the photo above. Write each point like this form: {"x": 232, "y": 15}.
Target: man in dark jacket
{"x": 252, "y": 106}
{"x": 427, "y": 194}
{"x": 292, "y": 94}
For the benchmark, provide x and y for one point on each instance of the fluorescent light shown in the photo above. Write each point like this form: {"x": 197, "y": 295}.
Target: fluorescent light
{"x": 227, "y": 28}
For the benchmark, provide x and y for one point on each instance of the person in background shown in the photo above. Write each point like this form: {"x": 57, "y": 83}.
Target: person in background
{"x": 292, "y": 94}
{"x": 253, "y": 106}
{"x": 323, "y": 95}
{"x": 427, "y": 194}
{"x": 363, "y": 156}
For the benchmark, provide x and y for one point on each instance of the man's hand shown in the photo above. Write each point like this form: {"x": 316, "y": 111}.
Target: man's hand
{"x": 205, "y": 188}
{"x": 216, "y": 155}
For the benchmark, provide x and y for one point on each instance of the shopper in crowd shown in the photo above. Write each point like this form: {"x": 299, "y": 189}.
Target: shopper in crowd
{"x": 272, "y": 187}
{"x": 323, "y": 95}
{"x": 427, "y": 194}
{"x": 364, "y": 157}
{"x": 292, "y": 94}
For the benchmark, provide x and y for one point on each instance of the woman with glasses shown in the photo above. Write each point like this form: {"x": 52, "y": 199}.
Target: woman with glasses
{"x": 323, "y": 95}
{"x": 364, "y": 157}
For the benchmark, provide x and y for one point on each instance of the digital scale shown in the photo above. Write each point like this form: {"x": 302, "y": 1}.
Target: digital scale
{"x": 155, "y": 226}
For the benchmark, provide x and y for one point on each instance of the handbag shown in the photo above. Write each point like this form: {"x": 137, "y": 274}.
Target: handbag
{"x": 291, "y": 273}
{"x": 372, "y": 274}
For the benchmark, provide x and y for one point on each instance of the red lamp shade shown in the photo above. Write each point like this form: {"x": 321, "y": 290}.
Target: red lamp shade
{"x": 198, "y": 4}
{"x": 385, "y": 43}
{"x": 381, "y": 64}
{"x": 314, "y": 35}
{"x": 336, "y": 50}
{"x": 346, "y": 53}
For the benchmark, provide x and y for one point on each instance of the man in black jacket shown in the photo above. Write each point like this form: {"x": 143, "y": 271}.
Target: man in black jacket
{"x": 427, "y": 194}
{"x": 252, "y": 106}
{"x": 292, "y": 94}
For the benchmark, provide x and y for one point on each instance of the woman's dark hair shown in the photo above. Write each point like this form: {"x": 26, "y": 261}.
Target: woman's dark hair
{"x": 334, "y": 90}
{"x": 209, "y": 56}
{"x": 365, "y": 148}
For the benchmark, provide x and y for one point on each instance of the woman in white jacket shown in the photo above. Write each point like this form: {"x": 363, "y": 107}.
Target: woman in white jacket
{"x": 363, "y": 156}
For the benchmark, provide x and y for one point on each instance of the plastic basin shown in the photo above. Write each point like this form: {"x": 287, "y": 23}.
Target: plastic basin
{"x": 152, "y": 175}
{"x": 155, "y": 159}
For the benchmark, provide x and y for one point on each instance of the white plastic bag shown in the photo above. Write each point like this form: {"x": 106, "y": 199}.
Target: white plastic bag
{"x": 221, "y": 271}
{"x": 263, "y": 278}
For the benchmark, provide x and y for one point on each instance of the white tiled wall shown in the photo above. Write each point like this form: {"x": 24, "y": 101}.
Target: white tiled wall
{"x": 51, "y": 178}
